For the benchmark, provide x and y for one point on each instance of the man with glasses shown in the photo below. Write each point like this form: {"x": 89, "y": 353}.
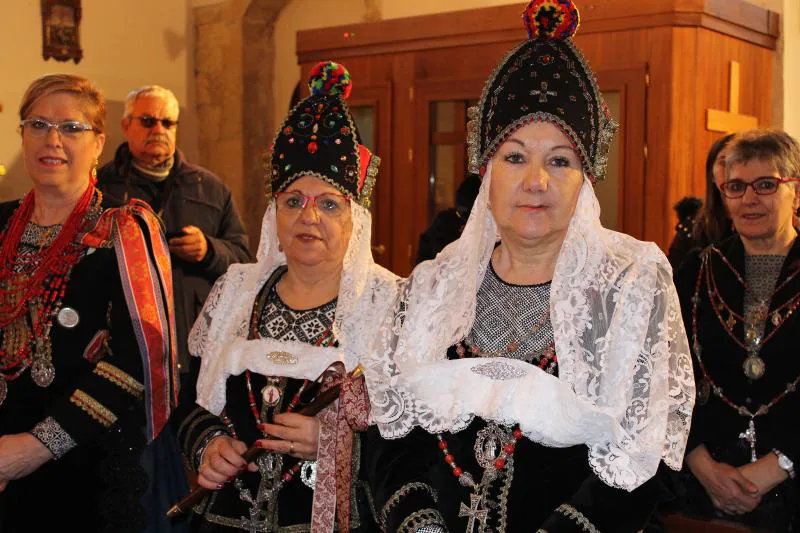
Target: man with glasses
{"x": 204, "y": 231}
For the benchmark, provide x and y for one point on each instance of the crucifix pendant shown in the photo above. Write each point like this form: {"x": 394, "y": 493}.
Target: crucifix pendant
{"x": 750, "y": 436}
{"x": 476, "y": 512}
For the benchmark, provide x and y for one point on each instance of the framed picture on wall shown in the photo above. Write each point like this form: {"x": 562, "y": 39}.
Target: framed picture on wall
{"x": 61, "y": 30}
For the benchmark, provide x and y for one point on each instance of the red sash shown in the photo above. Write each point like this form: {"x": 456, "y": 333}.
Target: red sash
{"x": 146, "y": 274}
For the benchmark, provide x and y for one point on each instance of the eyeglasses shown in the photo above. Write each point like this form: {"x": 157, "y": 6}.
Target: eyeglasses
{"x": 762, "y": 186}
{"x": 329, "y": 204}
{"x": 150, "y": 122}
{"x": 39, "y": 127}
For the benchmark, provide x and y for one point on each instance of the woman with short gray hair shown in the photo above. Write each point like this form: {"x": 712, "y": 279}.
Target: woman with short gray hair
{"x": 739, "y": 301}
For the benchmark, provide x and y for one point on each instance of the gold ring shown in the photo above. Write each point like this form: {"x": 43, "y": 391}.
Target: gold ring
{"x": 291, "y": 448}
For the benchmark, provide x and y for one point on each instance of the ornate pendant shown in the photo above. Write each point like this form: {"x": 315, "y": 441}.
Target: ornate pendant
{"x": 776, "y": 318}
{"x": 489, "y": 444}
{"x": 3, "y": 389}
{"x": 43, "y": 372}
{"x": 68, "y": 318}
{"x": 754, "y": 367}
{"x": 271, "y": 395}
{"x": 308, "y": 474}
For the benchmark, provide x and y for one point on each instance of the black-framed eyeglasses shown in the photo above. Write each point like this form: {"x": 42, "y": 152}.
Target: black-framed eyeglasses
{"x": 763, "y": 186}
{"x": 150, "y": 122}
{"x": 39, "y": 127}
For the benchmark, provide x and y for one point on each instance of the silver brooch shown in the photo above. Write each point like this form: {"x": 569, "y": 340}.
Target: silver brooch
{"x": 282, "y": 358}
{"x": 68, "y": 317}
{"x": 498, "y": 370}
{"x": 308, "y": 474}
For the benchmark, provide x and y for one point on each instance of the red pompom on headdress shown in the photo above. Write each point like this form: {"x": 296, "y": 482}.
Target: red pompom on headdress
{"x": 551, "y": 19}
{"x": 330, "y": 78}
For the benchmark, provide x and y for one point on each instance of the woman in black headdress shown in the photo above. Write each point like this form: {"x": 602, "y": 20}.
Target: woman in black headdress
{"x": 270, "y": 329}
{"x": 538, "y": 383}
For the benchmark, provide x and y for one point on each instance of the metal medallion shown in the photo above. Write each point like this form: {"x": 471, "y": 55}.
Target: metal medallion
{"x": 489, "y": 444}
{"x": 68, "y": 317}
{"x": 282, "y": 358}
{"x": 308, "y": 474}
{"x": 271, "y": 395}
{"x": 3, "y": 389}
{"x": 43, "y": 372}
{"x": 754, "y": 367}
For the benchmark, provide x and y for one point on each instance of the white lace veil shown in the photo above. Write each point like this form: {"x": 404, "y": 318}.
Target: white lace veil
{"x": 219, "y": 335}
{"x": 625, "y": 386}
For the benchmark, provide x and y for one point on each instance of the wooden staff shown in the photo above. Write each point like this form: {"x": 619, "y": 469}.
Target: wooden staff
{"x": 323, "y": 400}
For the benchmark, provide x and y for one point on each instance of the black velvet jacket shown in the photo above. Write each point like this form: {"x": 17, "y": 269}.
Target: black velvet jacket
{"x": 715, "y": 424}
{"x": 291, "y": 511}
{"x": 108, "y": 480}
{"x": 552, "y": 489}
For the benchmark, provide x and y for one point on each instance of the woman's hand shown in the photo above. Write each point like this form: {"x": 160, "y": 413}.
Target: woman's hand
{"x": 20, "y": 455}
{"x": 764, "y": 473}
{"x": 222, "y": 461}
{"x": 730, "y": 491}
{"x": 293, "y": 434}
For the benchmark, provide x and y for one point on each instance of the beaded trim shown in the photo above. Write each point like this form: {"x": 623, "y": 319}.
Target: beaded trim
{"x": 54, "y": 437}
{"x": 365, "y": 197}
{"x": 93, "y": 408}
{"x": 119, "y": 378}
{"x": 420, "y": 519}
{"x": 606, "y": 126}
{"x": 401, "y": 493}
{"x": 570, "y": 512}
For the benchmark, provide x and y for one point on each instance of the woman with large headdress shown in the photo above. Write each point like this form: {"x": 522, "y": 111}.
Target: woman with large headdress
{"x": 537, "y": 383}
{"x": 309, "y": 306}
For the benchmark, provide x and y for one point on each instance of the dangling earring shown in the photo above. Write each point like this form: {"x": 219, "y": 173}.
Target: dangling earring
{"x": 94, "y": 169}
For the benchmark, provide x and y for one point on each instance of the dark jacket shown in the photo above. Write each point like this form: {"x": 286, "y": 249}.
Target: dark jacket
{"x": 191, "y": 196}
{"x": 716, "y": 424}
{"x": 111, "y": 480}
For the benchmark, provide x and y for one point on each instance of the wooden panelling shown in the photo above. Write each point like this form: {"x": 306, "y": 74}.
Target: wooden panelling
{"x": 476, "y": 26}
{"x": 683, "y": 46}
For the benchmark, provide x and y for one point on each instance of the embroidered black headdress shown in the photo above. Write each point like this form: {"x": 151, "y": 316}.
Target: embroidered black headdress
{"x": 319, "y": 139}
{"x": 547, "y": 79}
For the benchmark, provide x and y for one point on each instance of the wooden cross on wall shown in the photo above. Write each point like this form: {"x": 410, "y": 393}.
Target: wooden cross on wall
{"x": 731, "y": 121}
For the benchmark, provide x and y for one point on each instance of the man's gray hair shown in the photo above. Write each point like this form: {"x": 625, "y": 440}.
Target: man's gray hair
{"x": 771, "y": 146}
{"x": 155, "y": 91}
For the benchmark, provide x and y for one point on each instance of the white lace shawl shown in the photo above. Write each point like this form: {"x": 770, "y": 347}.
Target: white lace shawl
{"x": 625, "y": 386}
{"x": 219, "y": 335}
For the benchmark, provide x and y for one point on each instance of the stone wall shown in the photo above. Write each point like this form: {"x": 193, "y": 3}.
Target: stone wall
{"x": 234, "y": 70}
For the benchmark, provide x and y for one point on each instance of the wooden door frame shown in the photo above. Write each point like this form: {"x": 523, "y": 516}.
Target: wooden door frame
{"x": 632, "y": 86}
{"x": 425, "y": 93}
{"x": 379, "y": 96}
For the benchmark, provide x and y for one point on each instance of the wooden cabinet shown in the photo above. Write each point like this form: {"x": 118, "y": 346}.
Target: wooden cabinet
{"x": 662, "y": 64}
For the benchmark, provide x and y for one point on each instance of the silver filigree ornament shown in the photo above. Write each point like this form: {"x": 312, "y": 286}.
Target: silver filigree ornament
{"x": 498, "y": 370}
{"x": 308, "y": 474}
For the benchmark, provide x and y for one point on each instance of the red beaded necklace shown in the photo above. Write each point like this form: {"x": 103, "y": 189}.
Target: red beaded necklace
{"x": 499, "y": 463}
{"x": 698, "y": 351}
{"x": 325, "y": 339}
{"x": 718, "y": 304}
{"x": 41, "y": 287}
